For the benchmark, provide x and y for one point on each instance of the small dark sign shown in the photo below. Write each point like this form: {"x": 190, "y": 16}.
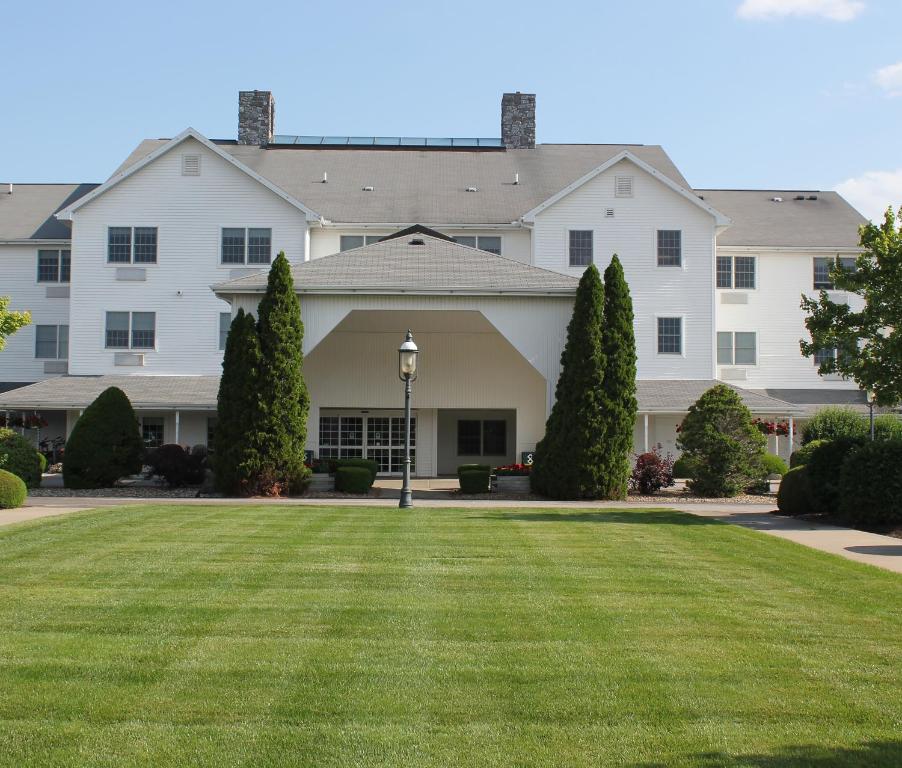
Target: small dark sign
{"x": 526, "y": 457}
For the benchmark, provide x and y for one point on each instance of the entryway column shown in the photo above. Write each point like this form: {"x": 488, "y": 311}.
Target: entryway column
{"x": 177, "y": 426}
{"x": 644, "y": 433}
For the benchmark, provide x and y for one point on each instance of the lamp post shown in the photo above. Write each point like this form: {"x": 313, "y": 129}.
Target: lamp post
{"x": 871, "y": 396}
{"x": 407, "y": 372}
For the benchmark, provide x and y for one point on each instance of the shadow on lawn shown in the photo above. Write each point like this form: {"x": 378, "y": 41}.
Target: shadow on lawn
{"x": 875, "y": 753}
{"x": 636, "y": 517}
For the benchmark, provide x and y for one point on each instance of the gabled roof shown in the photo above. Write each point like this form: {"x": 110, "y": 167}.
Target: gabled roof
{"x": 162, "y": 149}
{"x": 429, "y": 187}
{"x": 719, "y": 219}
{"x": 416, "y": 264}
{"x": 28, "y": 213}
{"x": 828, "y": 222}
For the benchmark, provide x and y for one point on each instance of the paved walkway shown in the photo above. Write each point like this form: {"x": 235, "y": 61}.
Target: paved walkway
{"x": 871, "y": 548}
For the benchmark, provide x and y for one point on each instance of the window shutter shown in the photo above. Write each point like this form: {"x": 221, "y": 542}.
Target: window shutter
{"x": 190, "y": 165}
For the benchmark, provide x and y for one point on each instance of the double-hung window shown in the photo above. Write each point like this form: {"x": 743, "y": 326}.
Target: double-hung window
{"x": 152, "y": 431}
{"x": 822, "y": 267}
{"x": 581, "y": 247}
{"x": 736, "y": 348}
{"x": 736, "y": 272}
{"x": 349, "y": 242}
{"x": 132, "y": 245}
{"x": 225, "y": 323}
{"x": 490, "y": 243}
{"x": 486, "y": 437}
{"x": 670, "y": 248}
{"x": 130, "y": 330}
{"x": 670, "y": 335}
{"x": 54, "y": 266}
{"x": 246, "y": 245}
{"x": 51, "y": 342}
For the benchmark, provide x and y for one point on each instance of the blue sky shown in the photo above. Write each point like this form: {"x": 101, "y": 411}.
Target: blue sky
{"x": 741, "y": 93}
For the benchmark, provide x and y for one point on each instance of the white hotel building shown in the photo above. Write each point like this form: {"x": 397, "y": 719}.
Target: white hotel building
{"x": 132, "y": 282}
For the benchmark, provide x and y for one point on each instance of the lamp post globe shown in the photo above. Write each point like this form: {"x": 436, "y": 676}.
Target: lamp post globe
{"x": 871, "y": 396}
{"x": 407, "y": 372}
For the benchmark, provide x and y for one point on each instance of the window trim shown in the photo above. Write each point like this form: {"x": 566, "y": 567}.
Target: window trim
{"x": 655, "y": 249}
{"x": 732, "y": 257}
{"x": 733, "y": 363}
{"x": 141, "y": 419}
{"x": 131, "y": 247}
{"x": 130, "y": 347}
{"x": 682, "y": 319}
{"x": 569, "y": 241}
{"x": 59, "y": 266}
{"x": 245, "y": 263}
{"x": 831, "y": 260}
{"x": 56, "y": 357}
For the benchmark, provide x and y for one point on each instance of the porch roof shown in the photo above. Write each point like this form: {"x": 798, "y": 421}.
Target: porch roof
{"x": 418, "y": 263}
{"x": 166, "y": 393}
{"x": 199, "y": 393}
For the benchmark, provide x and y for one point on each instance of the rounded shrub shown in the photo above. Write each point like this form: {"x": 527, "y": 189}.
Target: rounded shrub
{"x": 369, "y": 465}
{"x": 802, "y": 456}
{"x": 19, "y": 456}
{"x": 887, "y": 427}
{"x": 352, "y": 480}
{"x": 833, "y": 423}
{"x": 773, "y": 465}
{"x": 824, "y": 470}
{"x": 176, "y": 465}
{"x": 12, "y": 490}
{"x": 105, "y": 443}
{"x": 871, "y": 485}
{"x": 474, "y": 481}
{"x": 794, "y": 497}
{"x": 683, "y": 468}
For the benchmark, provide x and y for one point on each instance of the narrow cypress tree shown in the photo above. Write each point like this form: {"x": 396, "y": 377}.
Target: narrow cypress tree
{"x": 237, "y": 408}
{"x": 569, "y": 460}
{"x": 619, "y": 343}
{"x": 284, "y": 401}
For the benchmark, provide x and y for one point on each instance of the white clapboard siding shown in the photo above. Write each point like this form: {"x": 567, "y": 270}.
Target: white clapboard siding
{"x": 772, "y": 310}
{"x": 18, "y": 280}
{"x": 189, "y": 212}
{"x": 631, "y": 233}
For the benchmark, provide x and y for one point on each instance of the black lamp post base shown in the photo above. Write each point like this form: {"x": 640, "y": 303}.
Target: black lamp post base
{"x": 406, "y": 501}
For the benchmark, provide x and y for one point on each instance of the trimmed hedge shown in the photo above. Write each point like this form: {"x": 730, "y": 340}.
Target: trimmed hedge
{"x": 871, "y": 484}
{"x": 369, "y": 465}
{"x": 176, "y": 465}
{"x": 468, "y": 467}
{"x": 474, "y": 481}
{"x": 12, "y": 490}
{"x": 824, "y": 470}
{"x": 773, "y": 465}
{"x": 352, "y": 480}
{"x": 21, "y": 458}
{"x": 794, "y": 497}
{"x": 803, "y": 455}
{"x": 683, "y": 468}
{"x": 834, "y": 423}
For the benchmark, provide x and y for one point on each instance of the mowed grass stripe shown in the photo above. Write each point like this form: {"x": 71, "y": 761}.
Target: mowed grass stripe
{"x": 275, "y": 635}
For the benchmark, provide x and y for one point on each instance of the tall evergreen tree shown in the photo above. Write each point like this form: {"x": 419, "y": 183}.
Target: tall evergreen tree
{"x": 235, "y": 460}
{"x": 619, "y": 344}
{"x": 569, "y": 460}
{"x": 284, "y": 401}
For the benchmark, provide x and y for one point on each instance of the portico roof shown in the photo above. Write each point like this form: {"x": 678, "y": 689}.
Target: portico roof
{"x": 417, "y": 263}
{"x": 199, "y": 393}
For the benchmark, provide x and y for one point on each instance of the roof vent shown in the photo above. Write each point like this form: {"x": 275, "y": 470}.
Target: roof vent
{"x": 368, "y": 189}
{"x": 472, "y": 189}
{"x": 190, "y": 165}
{"x": 623, "y": 186}
{"x": 417, "y": 241}
{"x": 799, "y": 197}
{"x": 812, "y": 197}
{"x": 10, "y": 189}
{"x": 609, "y": 212}
{"x": 325, "y": 178}
{"x": 516, "y": 178}
{"x": 776, "y": 199}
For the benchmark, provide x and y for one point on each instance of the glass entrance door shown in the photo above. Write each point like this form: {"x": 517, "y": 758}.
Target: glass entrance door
{"x": 377, "y": 436}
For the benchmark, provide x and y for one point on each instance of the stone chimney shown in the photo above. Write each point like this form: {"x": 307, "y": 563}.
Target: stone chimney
{"x": 518, "y": 120}
{"x": 256, "y": 117}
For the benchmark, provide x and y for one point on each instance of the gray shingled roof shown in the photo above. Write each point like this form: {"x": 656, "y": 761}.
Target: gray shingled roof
{"x": 27, "y": 214}
{"x": 828, "y": 222}
{"x": 428, "y": 186}
{"x": 676, "y": 397}
{"x": 199, "y": 393}
{"x": 809, "y": 401}
{"x": 145, "y": 392}
{"x": 398, "y": 266}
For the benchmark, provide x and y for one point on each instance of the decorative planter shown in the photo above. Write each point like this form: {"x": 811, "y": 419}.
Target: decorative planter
{"x": 320, "y": 481}
{"x": 512, "y": 483}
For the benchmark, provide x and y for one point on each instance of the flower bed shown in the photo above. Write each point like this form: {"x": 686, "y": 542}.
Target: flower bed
{"x": 512, "y": 478}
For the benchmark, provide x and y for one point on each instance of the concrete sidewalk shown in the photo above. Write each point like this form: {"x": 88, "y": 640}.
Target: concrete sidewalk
{"x": 871, "y": 548}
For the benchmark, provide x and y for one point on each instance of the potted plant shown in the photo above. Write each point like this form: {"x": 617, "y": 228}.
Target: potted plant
{"x": 513, "y": 478}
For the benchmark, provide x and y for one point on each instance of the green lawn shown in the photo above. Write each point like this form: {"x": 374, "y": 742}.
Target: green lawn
{"x": 278, "y": 636}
